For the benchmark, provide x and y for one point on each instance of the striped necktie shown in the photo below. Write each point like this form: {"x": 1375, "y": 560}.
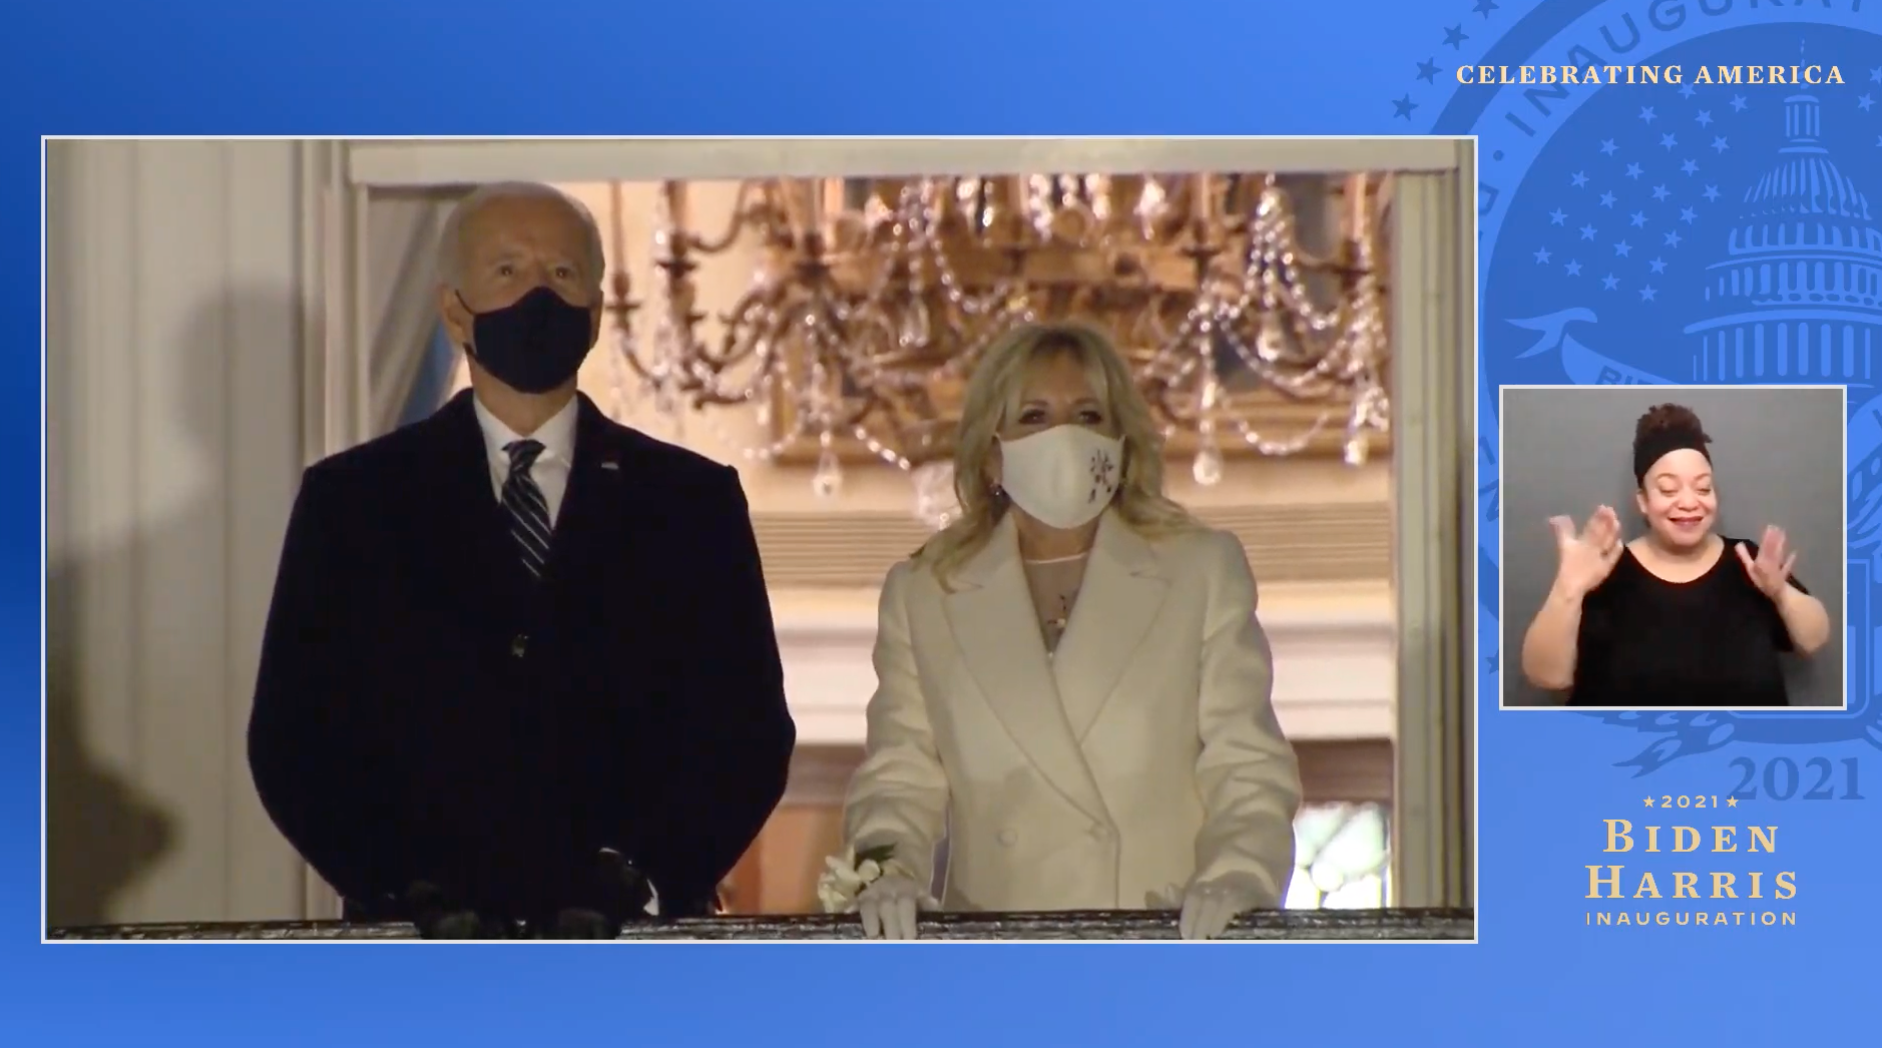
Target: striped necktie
{"x": 528, "y": 510}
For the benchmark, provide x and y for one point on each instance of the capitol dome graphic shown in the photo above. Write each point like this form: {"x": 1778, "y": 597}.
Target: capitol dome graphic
{"x": 1798, "y": 295}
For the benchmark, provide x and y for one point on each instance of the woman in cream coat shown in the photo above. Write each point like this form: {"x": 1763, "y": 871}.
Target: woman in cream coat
{"x": 1073, "y": 687}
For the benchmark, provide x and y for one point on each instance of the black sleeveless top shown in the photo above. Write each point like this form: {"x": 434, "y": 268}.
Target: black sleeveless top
{"x": 1713, "y": 642}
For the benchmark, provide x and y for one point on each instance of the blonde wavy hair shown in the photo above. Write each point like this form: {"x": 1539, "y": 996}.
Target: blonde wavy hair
{"x": 993, "y": 397}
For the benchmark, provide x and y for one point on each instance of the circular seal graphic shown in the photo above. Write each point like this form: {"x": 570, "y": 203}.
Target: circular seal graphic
{"x": 1600, "y": 209}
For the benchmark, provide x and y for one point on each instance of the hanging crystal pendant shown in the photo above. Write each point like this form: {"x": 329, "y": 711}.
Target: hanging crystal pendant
{"x": 1271, "y": 341}
{"x": 1356, "y": 450}
{"x": 827, "y": 481}
{"x": 1207, "y": 467}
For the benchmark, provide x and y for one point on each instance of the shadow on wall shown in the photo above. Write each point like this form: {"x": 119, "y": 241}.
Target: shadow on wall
{"x": 100, "y": 832}
{"x": 162, "y": 680}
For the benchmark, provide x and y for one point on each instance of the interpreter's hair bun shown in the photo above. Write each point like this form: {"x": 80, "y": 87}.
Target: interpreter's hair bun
{"x": 1670, "y": 418}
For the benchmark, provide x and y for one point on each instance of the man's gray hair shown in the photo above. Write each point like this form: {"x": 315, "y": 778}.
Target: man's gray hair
{"x": 450, "y": 259}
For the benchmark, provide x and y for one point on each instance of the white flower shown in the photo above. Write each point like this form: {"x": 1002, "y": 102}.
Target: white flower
{"x": 841, "y": 872}
{"x": 841, "y": 882}
{"x": 844, "y": 878}
{"x": 833, "y": 899}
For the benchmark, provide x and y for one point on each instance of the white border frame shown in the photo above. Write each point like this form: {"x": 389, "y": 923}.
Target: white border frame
{"x": 1436, "y": 224}
{"x": 1842, "y": 553}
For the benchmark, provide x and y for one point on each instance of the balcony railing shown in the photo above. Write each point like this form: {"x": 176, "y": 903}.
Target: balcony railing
{"x": 1322, "y": 925}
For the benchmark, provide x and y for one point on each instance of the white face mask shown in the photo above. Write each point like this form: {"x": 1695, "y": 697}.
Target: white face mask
{"x": 1062, "y": 477}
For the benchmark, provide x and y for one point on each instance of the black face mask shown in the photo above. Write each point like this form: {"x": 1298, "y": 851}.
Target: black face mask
{"x": 534, "y": 344}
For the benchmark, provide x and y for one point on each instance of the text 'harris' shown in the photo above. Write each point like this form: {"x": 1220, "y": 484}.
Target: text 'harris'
{"x": 1605, "y": 881}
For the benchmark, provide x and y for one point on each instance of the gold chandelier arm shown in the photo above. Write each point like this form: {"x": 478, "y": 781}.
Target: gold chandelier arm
{"x": 744, "y": 216}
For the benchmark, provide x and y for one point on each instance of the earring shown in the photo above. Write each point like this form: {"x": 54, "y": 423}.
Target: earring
{"x": 996, "y": 491}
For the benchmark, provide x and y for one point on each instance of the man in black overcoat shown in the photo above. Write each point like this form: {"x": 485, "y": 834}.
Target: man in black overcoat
{"x": 520, "y": 675}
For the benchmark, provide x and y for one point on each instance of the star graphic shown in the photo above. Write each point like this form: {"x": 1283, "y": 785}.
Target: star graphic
{"x": 1587, "y": 232}
{"x": 1738, "y": 103}
{"x": 1731, "y": 802}
{"x": 1878, "y": 141}
{"x": 1621, "y": 248}
{"x": 1711, "y": 194}
{"x": 1454, "y": 37}
{"x": 1484, "y": 7}
{"x": 1647, "y": 114}
{"x": 1491, "y": 661}
{"x": 1428, "y": 71}
{"x": 1578, "y": 179}
{"x": 1573, "y": 268}
{"x": 1688, "y": 215}
{"x": 1610, "y": 282}
{"x": 1607, "y": 200}
{"x": 1661, "y": 193}
{"x": 1719, "y": 144}
{"x": 1647, "y": 293}
{"x": 1875, "y": 75}
{"x": 1633, "y": 171}
{"x": 1690, "y": 166}
{"x": 1864, "y": 101}
{"x": 1672, "y": 239}
{"x": 1658, "y": 264}
{"x": 1638, "y": 219}
{"x": 1403, "y": 107}
{"x": 1668, "y": 141}
{"x": 1704, "y": 118}
{"x": 1688, "y": 91}
{"x": 1542, "y": 254}
{"x": 1557, "y": 217}
{"x": 1608, "y": 146}
{"x": 1649, "y": 802}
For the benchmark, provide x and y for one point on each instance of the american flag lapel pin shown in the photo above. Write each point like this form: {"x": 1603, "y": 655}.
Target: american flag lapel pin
{"x": 610, "y": 464}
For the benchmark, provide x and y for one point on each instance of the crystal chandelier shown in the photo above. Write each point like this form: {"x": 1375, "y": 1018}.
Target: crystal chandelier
{"x": 876, "y": 298}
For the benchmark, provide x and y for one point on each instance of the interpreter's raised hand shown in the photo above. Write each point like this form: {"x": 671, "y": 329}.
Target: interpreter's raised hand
{"x": 1586, "y": 557}
{"x": 1770, "y": 570}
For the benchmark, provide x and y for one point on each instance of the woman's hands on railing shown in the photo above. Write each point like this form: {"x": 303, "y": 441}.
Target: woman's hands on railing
{"x": 888, "y": 908}
{"x": 1208, "y": 907}
{"x": 875, "y": 885}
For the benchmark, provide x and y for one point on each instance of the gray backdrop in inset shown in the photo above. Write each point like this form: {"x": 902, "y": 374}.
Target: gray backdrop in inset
{"x": 1778, "y": 460}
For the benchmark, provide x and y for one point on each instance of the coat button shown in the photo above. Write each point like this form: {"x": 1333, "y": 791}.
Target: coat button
{"x": 1008, "y": 837}
{"x": 519, "y": 644}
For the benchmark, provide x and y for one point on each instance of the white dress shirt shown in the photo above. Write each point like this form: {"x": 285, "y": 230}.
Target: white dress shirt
{"x": 551, "y": 469}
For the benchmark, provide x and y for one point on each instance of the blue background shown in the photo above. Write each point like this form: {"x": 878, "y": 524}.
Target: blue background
{"x": 1539, "y": 976}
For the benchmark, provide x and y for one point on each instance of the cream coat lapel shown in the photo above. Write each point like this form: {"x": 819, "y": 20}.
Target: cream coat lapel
{"x": 1117, "y": 603}
{"x": 991, "y": 615}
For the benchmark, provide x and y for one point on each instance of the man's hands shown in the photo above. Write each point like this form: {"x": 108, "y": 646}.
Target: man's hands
{"x": 440, "y": 916}
{"x": 604, "y": 897}
{"x": 599, "y": 897}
